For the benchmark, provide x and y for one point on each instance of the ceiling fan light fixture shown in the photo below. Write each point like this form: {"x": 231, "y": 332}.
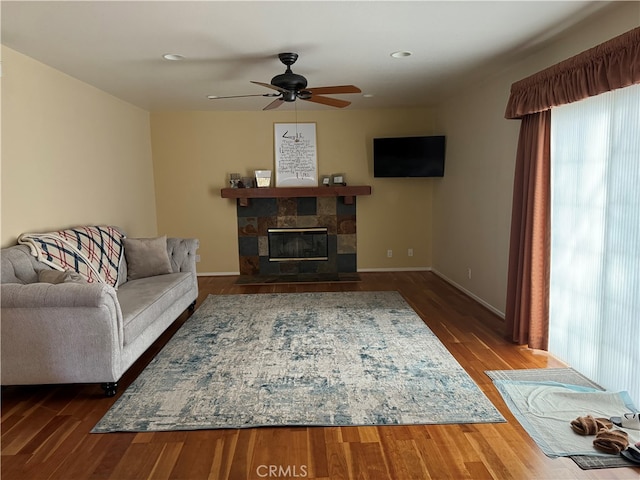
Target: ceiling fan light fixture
{"x": 289, "y": 96}
{"x": 401, "y": 54}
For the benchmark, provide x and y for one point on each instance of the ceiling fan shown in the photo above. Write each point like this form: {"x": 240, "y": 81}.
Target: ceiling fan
{"x": 291, "y": 86}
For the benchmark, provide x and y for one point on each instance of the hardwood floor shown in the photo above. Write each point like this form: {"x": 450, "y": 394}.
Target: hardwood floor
{"x": 45, "y": 429}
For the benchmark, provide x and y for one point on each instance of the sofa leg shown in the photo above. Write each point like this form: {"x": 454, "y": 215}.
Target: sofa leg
{"x": 110, "y": 388}
{"x": 192, "y": 307}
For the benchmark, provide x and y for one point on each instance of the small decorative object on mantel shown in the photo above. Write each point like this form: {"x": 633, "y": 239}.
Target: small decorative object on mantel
{"x": 263, "y": 178}
{"x": 246, "y": 182}
{"x": 234, "y": 180}
{"x": 338, "y": 179}
{"x": 326, "y": 180}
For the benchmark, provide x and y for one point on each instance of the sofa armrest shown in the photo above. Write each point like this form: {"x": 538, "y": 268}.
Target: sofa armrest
{"x": 182, "y": 253}
{"x": 42, "y": 295}
{"x": 64, "y": 333}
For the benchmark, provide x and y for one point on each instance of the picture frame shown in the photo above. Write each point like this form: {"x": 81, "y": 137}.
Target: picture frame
{"x": 338, "y": 179}
{"x": 296, "y": 158}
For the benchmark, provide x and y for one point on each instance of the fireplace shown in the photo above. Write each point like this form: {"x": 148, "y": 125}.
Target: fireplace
{"x": 297, "y": 244}
{"x": 329, "y": 221}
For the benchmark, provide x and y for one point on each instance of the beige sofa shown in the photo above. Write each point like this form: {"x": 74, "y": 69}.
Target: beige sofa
{"x": 79, "y": 332}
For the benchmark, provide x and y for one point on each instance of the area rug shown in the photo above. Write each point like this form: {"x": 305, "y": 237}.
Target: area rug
{"x": 545, "y": 401}
{"x": 300, "y": 359}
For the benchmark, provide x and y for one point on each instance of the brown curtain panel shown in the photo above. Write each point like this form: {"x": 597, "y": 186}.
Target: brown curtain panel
{"x": 611, "y": 65}
{"x": 527, "y": 312}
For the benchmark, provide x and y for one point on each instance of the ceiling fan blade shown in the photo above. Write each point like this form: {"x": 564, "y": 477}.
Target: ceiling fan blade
{"x": 275, "y": 104}
{"x": 332, "y": 102}
{"x": 268, "y": 85}
{"x": 334, "y": 90}
{"x": 216, "y": 97}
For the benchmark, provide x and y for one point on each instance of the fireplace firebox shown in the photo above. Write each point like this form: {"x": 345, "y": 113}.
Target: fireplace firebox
{"x": 298, "y": 244}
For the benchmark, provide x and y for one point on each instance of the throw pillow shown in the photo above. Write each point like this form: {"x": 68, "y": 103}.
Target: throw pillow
{"x": 56, "y": 276}
{"x": 146, "y": 257}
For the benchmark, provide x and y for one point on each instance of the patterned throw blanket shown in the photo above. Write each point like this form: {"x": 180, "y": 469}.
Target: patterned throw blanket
{"x": 93, "y": 252}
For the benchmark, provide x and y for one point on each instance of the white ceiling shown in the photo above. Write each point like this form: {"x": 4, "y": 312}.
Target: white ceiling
{"x": 118, "y": 46}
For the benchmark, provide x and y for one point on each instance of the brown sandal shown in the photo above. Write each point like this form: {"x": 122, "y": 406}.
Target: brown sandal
{"x": 589, "y": 425}
{"x": 611, "y": 441}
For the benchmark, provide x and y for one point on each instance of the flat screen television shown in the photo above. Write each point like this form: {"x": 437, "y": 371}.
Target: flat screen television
{"x": 409, "y": 156}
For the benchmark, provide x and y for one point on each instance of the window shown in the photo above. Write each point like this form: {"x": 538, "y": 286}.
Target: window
{"x": 594, "y": 314}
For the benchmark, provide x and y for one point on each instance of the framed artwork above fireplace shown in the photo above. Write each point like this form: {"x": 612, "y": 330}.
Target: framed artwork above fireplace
{"x": 296, "y": 155}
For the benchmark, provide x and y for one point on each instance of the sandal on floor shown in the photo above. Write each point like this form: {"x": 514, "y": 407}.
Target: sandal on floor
{"x": 611, "y": 441}
{"x": 589, "y": 425}
{"x": 628, "y": 420}
{"x": 632, "y": 453}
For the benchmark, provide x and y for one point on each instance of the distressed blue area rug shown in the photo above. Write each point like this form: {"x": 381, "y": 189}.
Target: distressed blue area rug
{"x": 300, "y": 359}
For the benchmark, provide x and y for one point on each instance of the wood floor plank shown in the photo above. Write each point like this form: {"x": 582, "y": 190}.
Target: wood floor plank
{"x": 45, "y": 430}
{"x": 223, "y": 454}
{"x": 137, "y": 462}
{"x": 195, "y": 459}
{"x": 318, "y": 460}
{"x": 108, "y": 451}
{"x": 404, "y": 460}
{"x": 166, "y": 461}
{"x": 368, "y": 461}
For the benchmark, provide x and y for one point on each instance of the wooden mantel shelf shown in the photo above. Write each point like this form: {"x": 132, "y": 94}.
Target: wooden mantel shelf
{"x": 347, "y": 192}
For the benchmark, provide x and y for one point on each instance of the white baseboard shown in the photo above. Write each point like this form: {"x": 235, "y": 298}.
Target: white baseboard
{"x": 469, "y": 294}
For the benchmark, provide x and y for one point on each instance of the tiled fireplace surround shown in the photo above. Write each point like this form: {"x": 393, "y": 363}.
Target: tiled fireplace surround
{"x": 261, "y": 214}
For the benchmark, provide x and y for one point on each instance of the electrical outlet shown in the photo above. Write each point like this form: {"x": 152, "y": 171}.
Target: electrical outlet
{"x": 389, "y": 253}
{"x": 410, "y": 252}
{"x": 197, "y": 258}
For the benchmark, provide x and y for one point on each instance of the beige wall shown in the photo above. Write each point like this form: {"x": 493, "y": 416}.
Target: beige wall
{"x": 194, "y": 152}
{"x": 472, "y": 205}
{"x": 71, "y": 154}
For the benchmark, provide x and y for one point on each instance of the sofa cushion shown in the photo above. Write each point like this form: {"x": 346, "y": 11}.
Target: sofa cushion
{"x": 143, "y": 300}
{"x": 146, "y": 257}
{"x": 17, "y": 265}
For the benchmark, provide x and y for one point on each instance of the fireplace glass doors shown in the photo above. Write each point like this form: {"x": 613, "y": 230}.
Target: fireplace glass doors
{"x": 296, "y": 244}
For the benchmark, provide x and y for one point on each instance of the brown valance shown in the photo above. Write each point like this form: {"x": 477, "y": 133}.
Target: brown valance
{"x": 611, "y": 65}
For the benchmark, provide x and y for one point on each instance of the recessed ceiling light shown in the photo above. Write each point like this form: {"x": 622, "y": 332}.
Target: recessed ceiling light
{"x": 211, "y": 97}
{"x": 401, "y": 54}
{"x": 367, "y": 95}
{"x": 173, "y": 56}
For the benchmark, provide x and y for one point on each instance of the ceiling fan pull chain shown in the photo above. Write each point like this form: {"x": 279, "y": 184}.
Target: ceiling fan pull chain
{"x": 297, "y": 137}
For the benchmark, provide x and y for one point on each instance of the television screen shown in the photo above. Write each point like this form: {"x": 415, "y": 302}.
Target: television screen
{"x": 409, "y": 156}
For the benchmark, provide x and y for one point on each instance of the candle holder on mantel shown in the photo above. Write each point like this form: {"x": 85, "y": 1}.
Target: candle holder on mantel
{"x": 263, "y": 178}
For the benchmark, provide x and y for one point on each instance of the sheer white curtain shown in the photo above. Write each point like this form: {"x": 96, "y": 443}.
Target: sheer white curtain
{"x": 594, "y": 315}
